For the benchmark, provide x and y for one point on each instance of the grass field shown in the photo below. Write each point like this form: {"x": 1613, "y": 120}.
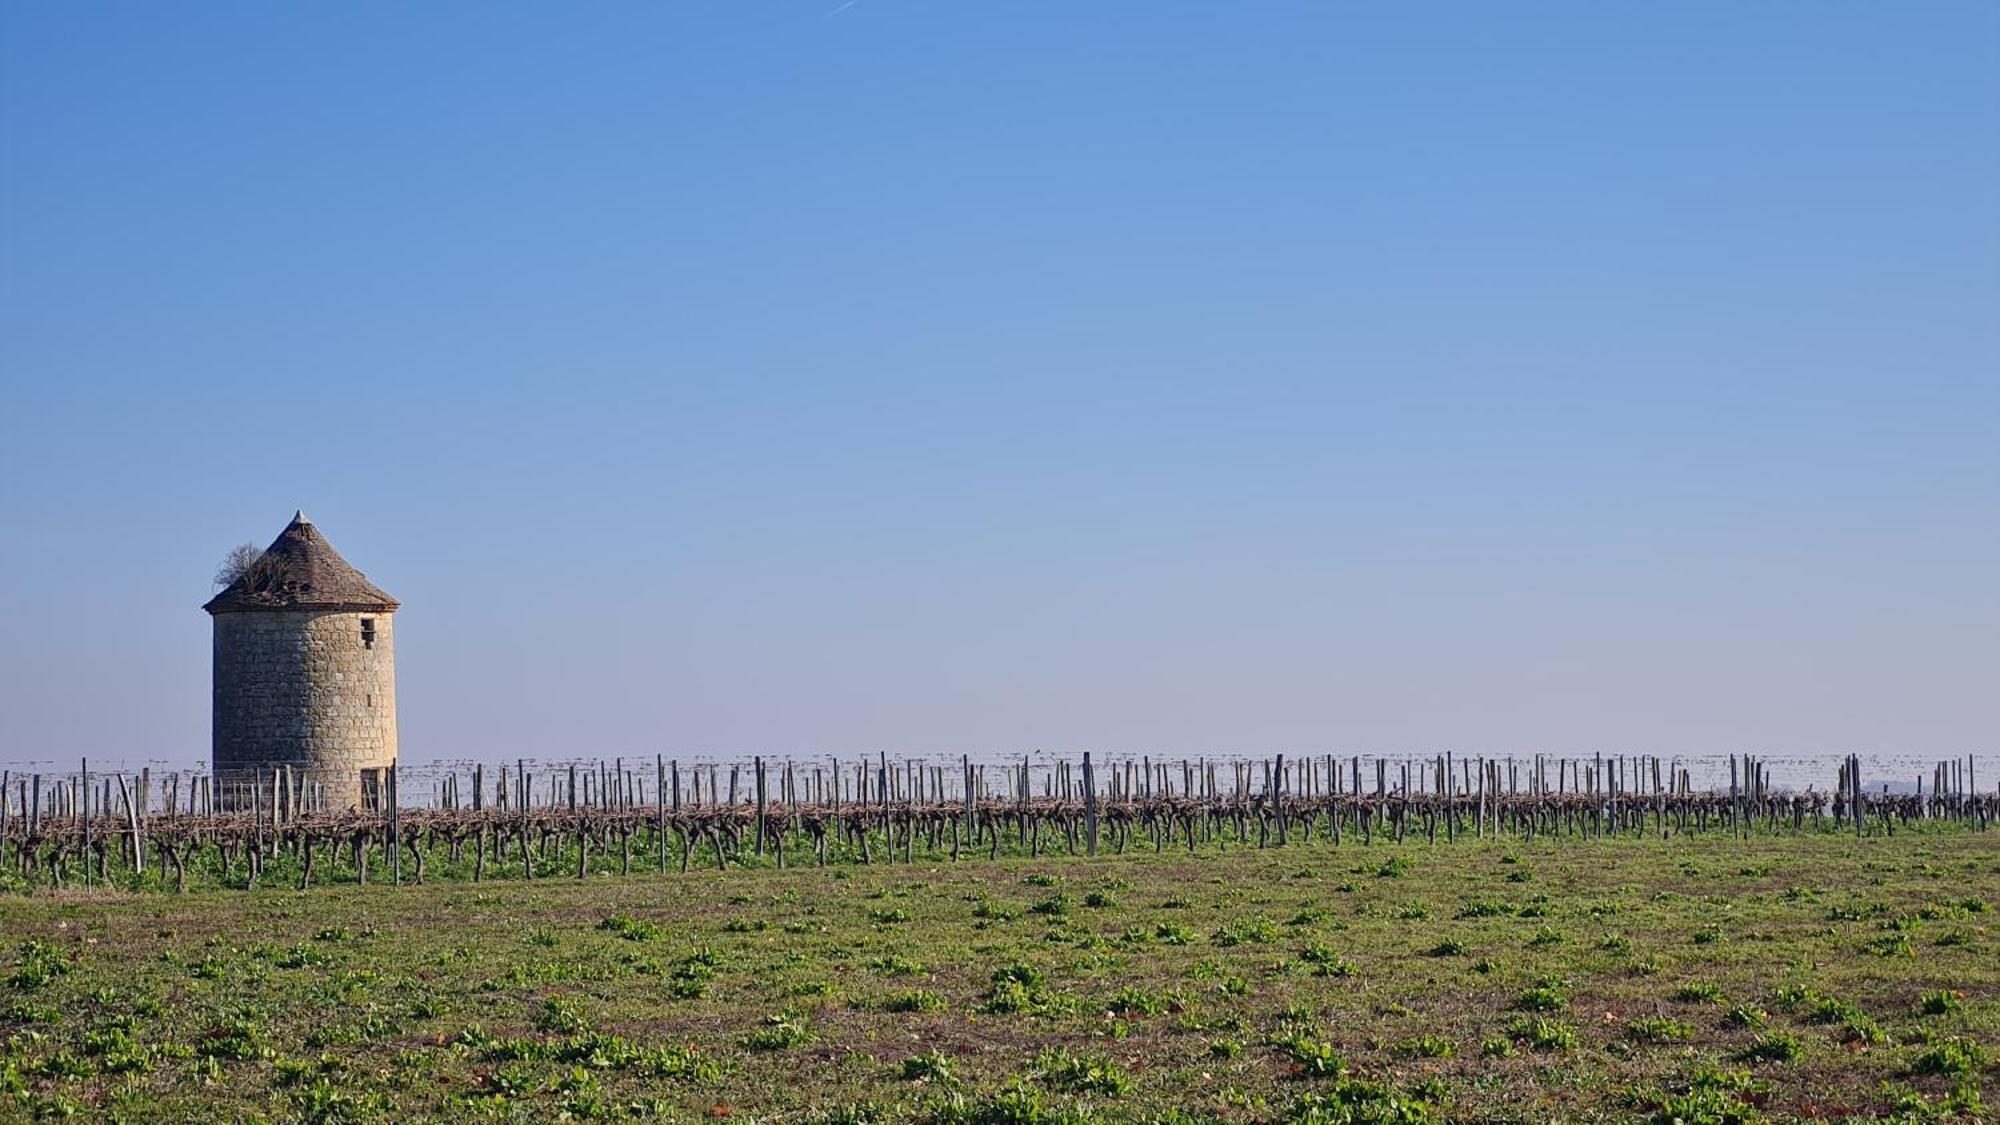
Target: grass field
{"x": 1700, "y": 980}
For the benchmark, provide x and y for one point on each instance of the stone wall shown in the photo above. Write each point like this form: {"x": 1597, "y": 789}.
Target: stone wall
{"x": 301, "y": 688}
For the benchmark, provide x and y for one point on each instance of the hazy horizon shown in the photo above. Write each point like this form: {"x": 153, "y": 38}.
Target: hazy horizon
{"x": 825, "y": 379}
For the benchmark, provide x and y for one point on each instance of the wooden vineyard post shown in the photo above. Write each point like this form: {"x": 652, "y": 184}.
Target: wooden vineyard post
{"x": 965, "y": 772}
{"x": 1843, "y": 801}
{"x": 1608, "y": 770}
{"x": 686, "y": 839}
{"x": 395, "y": 828}
{"x": 256, "y": 823}
{"x": 1659, "y": 800}
{"x": 757, "y": 769}
{"x": 1403, "y": 802}
{"x": 1448, "y": 793}
{"x": 1479, "y": 821}
{"x": 1022, "y": 792}
{"x": 1735, "y": 811}
{"x": 84, "y": 812}
{"x": 522, "y": 798}
{"x": 1089, "y": 804}
{"x": 1861, "y": 797}
{"x": 1278, "y": 798}
{"x": 131, "y": 821}
{"x": 1601, "y": 778}
{"x": 1333, "y": 800}
{"x": 912, "y": 779}
{"x": 1972, "y": 788}
{"x": 479, "y": 830}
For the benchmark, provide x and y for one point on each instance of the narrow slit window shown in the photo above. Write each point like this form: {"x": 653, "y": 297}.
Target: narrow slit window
{"x": 367, "y": 632}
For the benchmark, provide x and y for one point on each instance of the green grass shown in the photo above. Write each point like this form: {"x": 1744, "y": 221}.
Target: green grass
{"x": 1689, "y": 979}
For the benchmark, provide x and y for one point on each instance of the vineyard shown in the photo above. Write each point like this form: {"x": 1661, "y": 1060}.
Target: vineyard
{"x": 269, "y": 828}
{"x": 1237, "y": 941}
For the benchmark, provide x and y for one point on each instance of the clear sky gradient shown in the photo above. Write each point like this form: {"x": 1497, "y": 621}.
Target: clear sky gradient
{"x": 790, "y": 377}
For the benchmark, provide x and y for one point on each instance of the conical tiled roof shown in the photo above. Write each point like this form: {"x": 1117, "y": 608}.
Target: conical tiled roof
{"x": 300, "y": 570}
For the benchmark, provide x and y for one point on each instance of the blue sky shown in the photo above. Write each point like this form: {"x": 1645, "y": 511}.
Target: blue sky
{"x": 728, "y": 378}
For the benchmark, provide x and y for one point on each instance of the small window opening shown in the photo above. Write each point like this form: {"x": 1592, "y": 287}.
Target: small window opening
{"x": 367, "y": 632}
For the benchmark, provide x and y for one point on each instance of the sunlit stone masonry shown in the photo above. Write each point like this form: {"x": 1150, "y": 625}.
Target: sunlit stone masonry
{"x": 305, "y": 675}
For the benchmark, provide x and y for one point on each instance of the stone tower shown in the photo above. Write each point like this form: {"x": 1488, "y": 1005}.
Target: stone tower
{"x": 305, "y": 672}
